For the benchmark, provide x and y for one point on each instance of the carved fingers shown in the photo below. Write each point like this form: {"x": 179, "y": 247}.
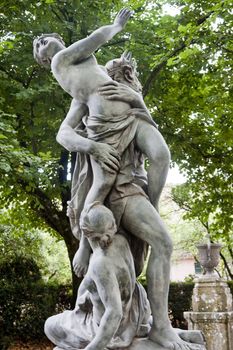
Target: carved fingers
{"x": 107, "y": 157}
{"x": 187, "y": 346}
{"x": 122, "y": 17}
{"x": 119, "y": 92}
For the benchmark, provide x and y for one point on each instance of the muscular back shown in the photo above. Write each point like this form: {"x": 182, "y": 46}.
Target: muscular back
{"x": 113, "y": 265}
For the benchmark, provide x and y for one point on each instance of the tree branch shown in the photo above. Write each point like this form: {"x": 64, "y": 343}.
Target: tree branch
{"x": 56, "y": 14}
{"x": 113, "y": 43}
{"x": 226, "y": 266}
{"x": 28, "y": 82}
{"x": 159, "y": 67}
{"x": 164, "y": 60}
{"x": 10, "y": 75}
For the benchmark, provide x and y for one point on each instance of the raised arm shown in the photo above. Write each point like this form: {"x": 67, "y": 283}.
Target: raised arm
{"x": 85, "y": 47}
{"x": 104, "y": 154}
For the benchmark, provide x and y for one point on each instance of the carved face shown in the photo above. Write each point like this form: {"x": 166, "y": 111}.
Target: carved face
{"x": 124, "y": 72}
{"x": 44, "y": 48}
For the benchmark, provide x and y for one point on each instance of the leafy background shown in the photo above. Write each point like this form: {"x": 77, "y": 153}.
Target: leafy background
{"x": 185, "y": 64}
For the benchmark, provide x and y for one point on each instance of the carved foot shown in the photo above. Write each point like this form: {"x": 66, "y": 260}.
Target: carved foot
{"x": 193, "y": 336}
{"x": 169, "y": 340}
{"x": 81, "y": 262}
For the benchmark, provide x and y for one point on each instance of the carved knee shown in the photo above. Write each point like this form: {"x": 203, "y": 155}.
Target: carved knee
{"x": 163, "y": 245}
{"x": 161, "y": 156}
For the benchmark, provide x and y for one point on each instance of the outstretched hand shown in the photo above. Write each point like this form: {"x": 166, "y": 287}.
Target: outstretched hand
{"x": 123, "y": 17}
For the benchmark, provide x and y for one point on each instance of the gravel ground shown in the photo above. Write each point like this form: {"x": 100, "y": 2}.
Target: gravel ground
{"x": 45, "y": 345}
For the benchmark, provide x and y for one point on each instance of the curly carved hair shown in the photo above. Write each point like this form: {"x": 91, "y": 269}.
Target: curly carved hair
{"x": 126, "y": 67}
{"x": 95, "y": 218}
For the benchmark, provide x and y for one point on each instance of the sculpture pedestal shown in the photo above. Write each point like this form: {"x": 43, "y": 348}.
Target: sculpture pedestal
{"x": 194, "y": 338}
{"x": 212, "y": 312}
{"x": 146, "y": 344}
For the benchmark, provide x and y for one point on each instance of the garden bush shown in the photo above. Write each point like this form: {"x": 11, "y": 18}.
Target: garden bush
{"x": 180, "y": 300}
{"x": 26, "y": 301}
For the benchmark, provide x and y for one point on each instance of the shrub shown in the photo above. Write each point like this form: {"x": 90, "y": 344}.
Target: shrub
{"x": 180, "y": 300}
{"x": 26, "y": 301}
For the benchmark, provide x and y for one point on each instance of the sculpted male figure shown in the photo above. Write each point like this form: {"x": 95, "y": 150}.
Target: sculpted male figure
{"x": 120, "y": 310}
{"x": 139, "y": 216}
{"x": 111, "y": 122}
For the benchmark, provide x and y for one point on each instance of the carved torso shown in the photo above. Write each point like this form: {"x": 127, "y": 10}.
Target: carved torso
{"x": 82, "y": 80}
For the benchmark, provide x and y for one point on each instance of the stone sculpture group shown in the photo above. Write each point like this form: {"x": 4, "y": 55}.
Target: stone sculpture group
{"x": 113, "y": 209}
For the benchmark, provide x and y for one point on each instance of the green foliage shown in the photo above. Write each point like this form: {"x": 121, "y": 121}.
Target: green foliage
{"x": 206, "y": 211}
{"x": 185, "y": 233}
{"x": 185, "y": 65}
{"x": 26, "y": 301}
{"x": 217, "y": 226}
{"x": 48, "y": 253}
{"x": 20, "y": 269}
{"x": 180, "y": 300}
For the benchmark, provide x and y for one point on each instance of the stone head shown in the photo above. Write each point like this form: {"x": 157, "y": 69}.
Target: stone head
{"x": 98, "y": 224}
{"x": 124, "y": 70}
{"x": 45, "y": 47}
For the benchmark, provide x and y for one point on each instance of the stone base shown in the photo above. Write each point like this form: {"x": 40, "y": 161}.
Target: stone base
{"x": 211, "y": 294}
{"x": 212, "y": 312}
{"x": 146, "y": 344}
{"x": 194, "y": 338}
{"x": 216, "y": 326}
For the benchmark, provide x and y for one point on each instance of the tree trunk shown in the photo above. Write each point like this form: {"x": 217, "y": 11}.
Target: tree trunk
{"x": 72, "y": 245}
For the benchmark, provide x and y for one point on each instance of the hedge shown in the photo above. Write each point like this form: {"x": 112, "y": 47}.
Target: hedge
{"x": 180, "y": 300}
{"x": 26, "y": 301}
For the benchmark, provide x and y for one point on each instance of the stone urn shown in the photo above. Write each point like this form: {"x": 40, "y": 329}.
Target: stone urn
{"x": 209, "y": 255}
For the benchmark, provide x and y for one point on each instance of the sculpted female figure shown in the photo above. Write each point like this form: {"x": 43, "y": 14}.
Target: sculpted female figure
{"x": 76, "y": 70}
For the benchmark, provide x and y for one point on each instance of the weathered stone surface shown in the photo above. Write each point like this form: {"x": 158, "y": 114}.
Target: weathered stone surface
{"x": 213, "y": 313}
{"x": 211, "y": 295}
{"x": 146, "y": 344}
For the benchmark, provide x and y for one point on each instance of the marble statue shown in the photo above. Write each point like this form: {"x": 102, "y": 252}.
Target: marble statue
{"x": 120, "y": 310}
{"x": 110, "y": 128}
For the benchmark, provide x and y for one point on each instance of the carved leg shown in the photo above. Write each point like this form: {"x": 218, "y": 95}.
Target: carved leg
{"x": 141, "y": 219}
{"x": 152, "y": 144}
{"x": 81, "y": 258}
{"x": 102, "y": 184}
